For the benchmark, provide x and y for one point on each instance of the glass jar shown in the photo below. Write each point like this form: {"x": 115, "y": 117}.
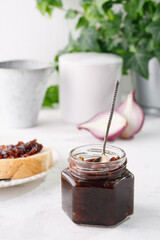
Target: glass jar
{"x": 97, "y": 193}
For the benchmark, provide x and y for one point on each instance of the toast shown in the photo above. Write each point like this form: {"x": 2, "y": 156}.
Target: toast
{"x": 14, "y": 168}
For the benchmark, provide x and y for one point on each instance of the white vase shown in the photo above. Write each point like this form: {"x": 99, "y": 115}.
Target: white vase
{"x": 86, "y": 84}
{"x": 148, "y": 90}
{"x": 22, "y": 88}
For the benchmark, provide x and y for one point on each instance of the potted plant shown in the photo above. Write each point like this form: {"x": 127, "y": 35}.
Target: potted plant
{"x": 129, "y": 28}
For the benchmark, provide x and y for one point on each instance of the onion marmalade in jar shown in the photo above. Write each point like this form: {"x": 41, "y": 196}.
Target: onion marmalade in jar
{"x": 97, "y": 193}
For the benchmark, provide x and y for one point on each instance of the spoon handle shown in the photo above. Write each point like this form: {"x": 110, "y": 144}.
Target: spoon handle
{"x": 110, "y": 117}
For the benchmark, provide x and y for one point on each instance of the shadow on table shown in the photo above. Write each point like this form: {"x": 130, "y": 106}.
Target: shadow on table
{"x": 44, "y": 184}
{"x": 147, "y": 214}
{"x": 19, "y": 190}
{"x": 145, "y": 217}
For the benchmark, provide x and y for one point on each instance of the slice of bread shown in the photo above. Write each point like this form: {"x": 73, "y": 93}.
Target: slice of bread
{"x": 27, "y": 166}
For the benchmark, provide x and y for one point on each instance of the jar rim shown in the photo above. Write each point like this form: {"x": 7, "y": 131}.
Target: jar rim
{"x": 96, "y": 170}
{"x": 98, "y": 145}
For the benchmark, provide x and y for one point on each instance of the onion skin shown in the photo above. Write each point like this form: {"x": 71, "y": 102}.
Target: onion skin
{"x": 133, "y": 114}
{"x": 100, "y": 121}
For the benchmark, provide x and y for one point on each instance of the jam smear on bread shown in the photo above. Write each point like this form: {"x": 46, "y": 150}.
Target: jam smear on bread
{"x": 21, "y": 149}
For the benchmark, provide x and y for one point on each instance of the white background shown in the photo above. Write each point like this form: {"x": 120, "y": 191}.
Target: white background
{"x": 26, "y": 34}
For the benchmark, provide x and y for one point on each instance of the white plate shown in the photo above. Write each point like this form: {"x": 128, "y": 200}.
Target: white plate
{"x": 14, "y": 182}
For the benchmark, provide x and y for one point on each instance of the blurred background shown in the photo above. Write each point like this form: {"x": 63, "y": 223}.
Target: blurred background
{"x": 26, "y": 34}
{"x": 43, "y": 30}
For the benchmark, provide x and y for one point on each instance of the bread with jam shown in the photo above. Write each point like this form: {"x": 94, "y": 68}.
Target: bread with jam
{"x": 24, "y": 160}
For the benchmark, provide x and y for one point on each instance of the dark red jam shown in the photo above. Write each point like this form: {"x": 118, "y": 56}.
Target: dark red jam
{"x": 95, "y": 193}
{"x": 21, "y": 149}
{"x": 93, "y": 159}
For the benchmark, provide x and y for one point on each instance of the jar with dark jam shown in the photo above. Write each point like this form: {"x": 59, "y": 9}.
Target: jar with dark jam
{"x": 97, "y": 193}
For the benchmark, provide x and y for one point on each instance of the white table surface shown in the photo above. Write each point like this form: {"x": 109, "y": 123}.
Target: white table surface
{"x": 33, "y": 210}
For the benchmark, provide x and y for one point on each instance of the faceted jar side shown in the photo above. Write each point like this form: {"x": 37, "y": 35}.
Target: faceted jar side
{"x": 97, "y": 202}
{"x": 67, "y": 184}
{"x": 124, "y": 197}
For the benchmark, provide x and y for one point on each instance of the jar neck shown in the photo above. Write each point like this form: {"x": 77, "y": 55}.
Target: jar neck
{"x": 81, "y": 166}
{"x": 98, "y": 173}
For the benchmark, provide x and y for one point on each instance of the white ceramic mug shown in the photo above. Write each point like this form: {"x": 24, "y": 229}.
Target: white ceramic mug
{"x": 86, "y": 84}
{"x": 23, "y": 85}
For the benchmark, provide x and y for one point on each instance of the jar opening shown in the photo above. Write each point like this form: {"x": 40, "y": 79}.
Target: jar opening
{"x": 93, "y": 151}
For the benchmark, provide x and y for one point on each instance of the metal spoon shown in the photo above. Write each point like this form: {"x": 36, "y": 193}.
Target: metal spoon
{"x": 104, "y": 158}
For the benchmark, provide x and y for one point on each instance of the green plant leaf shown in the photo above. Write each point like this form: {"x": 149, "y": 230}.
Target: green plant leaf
{"x": 71, "y": 14}
{"x": 137, "y": 62}
{"x": 92, "y": 14}
{"x": 82, "y": 22}
{"x": 111, "y": 28}
{"x": 146, "y": 44}
{"x": 157, "y": 54}
{"x": 55, "y": 3}
{"x": 88, "y": 40}
{"x": 127, "y": 61}
{"x": 154, "y": 29}
{"x": 134, "y": 7}
{"x": 84, "y": 2}
{"x": 149, "y": 8}
{"x": 131, "y": 31}
{"x": 107, "y": 5}
{"x": 140, "y": 63}
{"x": 42, "y": 6}
{"x": 100, "y": 3}
{"x": 47, "y": 6}
{"x": 51, "y": 96}
{"x": 109, "y": 45}
{"x": 156, "y": 15}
